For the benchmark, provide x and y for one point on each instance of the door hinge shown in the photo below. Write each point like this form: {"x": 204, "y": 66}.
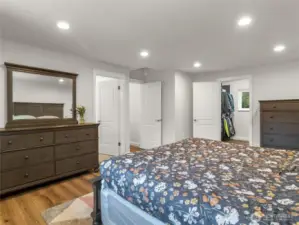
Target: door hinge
{"x": 118, "y": 87}
{"x": 119, "y": 144}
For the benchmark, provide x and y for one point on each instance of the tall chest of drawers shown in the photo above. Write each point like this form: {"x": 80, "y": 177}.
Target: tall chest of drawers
{"x": 280, "y": 124}
{"x": 31, "y": 156}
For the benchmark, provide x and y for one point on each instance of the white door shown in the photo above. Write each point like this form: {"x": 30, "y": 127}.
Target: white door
{"x": 207, "y": 110}
{"x": 151, "y": 115}
{"x": 108, "y": 115}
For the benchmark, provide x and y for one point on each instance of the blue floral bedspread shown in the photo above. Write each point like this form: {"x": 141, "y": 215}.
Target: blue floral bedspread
{"x": 199, "y": 181}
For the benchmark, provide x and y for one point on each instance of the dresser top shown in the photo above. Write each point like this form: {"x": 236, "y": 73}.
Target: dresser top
{"x": 4, "y": 130}
{"x": 281, "y": 100}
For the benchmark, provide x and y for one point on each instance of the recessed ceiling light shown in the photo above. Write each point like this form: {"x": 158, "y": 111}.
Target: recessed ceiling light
{"x": 244, "y": 21}
{"x": 63, "y": 25}
{"x": 144, "y": 53}
{"x": 61, "y": 80}
{"x": 197, "y": 64}
{"x": 279, "y": 48}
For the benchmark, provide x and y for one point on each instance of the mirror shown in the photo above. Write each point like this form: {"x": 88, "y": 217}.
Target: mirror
{"x": 39, "y": 97}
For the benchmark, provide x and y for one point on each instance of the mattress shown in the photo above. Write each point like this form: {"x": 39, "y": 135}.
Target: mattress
{"x": 199, "y": 181}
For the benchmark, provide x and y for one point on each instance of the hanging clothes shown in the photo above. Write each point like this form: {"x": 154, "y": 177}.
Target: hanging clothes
{"x": 227, "y": 108}
{"x": 231, "y": 101}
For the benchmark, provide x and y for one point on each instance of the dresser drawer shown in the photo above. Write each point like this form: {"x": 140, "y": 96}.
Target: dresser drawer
{"x": 280, "y": 106}
{"x": 13, "y": 160}
{"x": 87, "y": 134}
{"x": 83, "y": 162}
{"x": 13, "y": 142}
{"x": 281, "y": 141}
{"x": 66, "y": 136}
{"x": 40, "y": 139}
{"x": 281, "y": 117}
{"x": 26, "y": 175}
{"x": 281, "y": 128}
{"x": 80, "y": 148}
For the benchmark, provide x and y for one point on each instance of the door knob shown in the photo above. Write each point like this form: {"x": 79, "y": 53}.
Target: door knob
{"x": 159, "y": 120}
{"x": 195, "y": 120}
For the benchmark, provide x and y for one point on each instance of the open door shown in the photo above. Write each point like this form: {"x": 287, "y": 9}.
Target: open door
{"x": 151, "y": 115}
{"x": 108, "y": 114}
{"x": 207, "y": 110}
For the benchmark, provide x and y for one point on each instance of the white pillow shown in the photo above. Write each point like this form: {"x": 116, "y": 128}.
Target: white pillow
{"x": 23, "y": 117}
{"x": 48, "y": 117}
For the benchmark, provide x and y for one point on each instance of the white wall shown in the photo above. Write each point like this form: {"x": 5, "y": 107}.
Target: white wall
{"x": 183, "y": 106}
{"x": 276, "y": 82}
{"x": 33, "y": 56}
{"x": 135, "y": 113}
{"x": 241, "y": 118}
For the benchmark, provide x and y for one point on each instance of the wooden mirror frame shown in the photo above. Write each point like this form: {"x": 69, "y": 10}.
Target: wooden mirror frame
{"x": 10, "y": 68}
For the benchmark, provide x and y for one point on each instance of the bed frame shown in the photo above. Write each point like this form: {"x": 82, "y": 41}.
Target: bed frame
{"x": 96, "y": 214}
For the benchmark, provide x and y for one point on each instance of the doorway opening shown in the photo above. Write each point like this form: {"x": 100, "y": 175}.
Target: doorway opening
{"x": 235, "y": 110}
{"x": 111, "y": 112}
{"x": 145, "y": 115}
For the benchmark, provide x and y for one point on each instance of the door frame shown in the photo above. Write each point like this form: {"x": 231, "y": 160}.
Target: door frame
{"x": 245, "y": 77}
{"x": 124, "y": 122}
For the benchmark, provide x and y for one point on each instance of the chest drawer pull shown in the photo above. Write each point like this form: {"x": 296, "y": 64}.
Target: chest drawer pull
{"x": 274, "y": 106}
{"x": 41, "y": 138}
{"x": 66, "y": 136}
{"x": 26, "y": 175}
{"x": 271, "y": 117}
{"x": 271, "y": 128}
{"x": 26, "y": 157}
{"x": 271, "y": 140}
{"x": 78, "y": 148}
{"x": 9, "y": 142}
{"x": 77, "y": 162}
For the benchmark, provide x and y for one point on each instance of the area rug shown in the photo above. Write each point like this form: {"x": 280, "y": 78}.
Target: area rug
{"x": 74, "y": 212}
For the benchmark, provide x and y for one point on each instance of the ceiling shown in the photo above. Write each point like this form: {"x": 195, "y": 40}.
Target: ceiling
{"x": 176, "y": 32}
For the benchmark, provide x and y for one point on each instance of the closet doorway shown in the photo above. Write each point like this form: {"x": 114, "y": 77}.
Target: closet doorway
{"x": 236, "y": 116}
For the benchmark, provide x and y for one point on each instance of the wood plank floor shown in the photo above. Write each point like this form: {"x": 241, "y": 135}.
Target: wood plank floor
{"x": 25, "y": 208}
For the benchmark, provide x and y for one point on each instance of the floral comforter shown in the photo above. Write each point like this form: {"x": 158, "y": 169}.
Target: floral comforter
{"x": 199, "y": 181}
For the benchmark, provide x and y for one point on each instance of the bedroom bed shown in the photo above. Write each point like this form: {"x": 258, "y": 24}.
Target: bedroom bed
{"x": 199, "y": 181}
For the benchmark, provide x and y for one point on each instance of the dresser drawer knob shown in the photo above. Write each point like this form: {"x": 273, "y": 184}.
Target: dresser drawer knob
{"x": 271, "y": 117}
{"x": 271, "y": 128}
{"x": 66, "y": 136}
{"x": 9, "y": 142}
{"x": 26, "y": 175}
{"x": 87, "y": 134}
{"x": 41, "y": 138}
{"x": 78, "y": 148}
{"x": 26, "y": 157}
{"x": 274, "y": 106}
{"x": 271, "y": 140}
{"x": 77, "y": 162}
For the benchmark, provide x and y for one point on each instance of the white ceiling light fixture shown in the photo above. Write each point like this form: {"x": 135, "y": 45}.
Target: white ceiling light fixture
{"x": 196, "y": 64}
{"x": 63, "y": 25}
{"x": 279, "y": 48}
{"x": 61, "y": 80}
{"x": 244, "y": 21}
{"x": 144, "y": 54}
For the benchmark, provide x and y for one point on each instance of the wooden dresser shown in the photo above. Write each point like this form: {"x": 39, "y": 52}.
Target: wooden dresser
{"x": 280, "y": 124}
{"x": 31, "y": 156}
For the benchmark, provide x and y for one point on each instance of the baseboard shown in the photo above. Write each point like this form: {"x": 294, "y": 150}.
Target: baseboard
{"x": 239, "y": 138}
{"x": 136, "y": 144}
